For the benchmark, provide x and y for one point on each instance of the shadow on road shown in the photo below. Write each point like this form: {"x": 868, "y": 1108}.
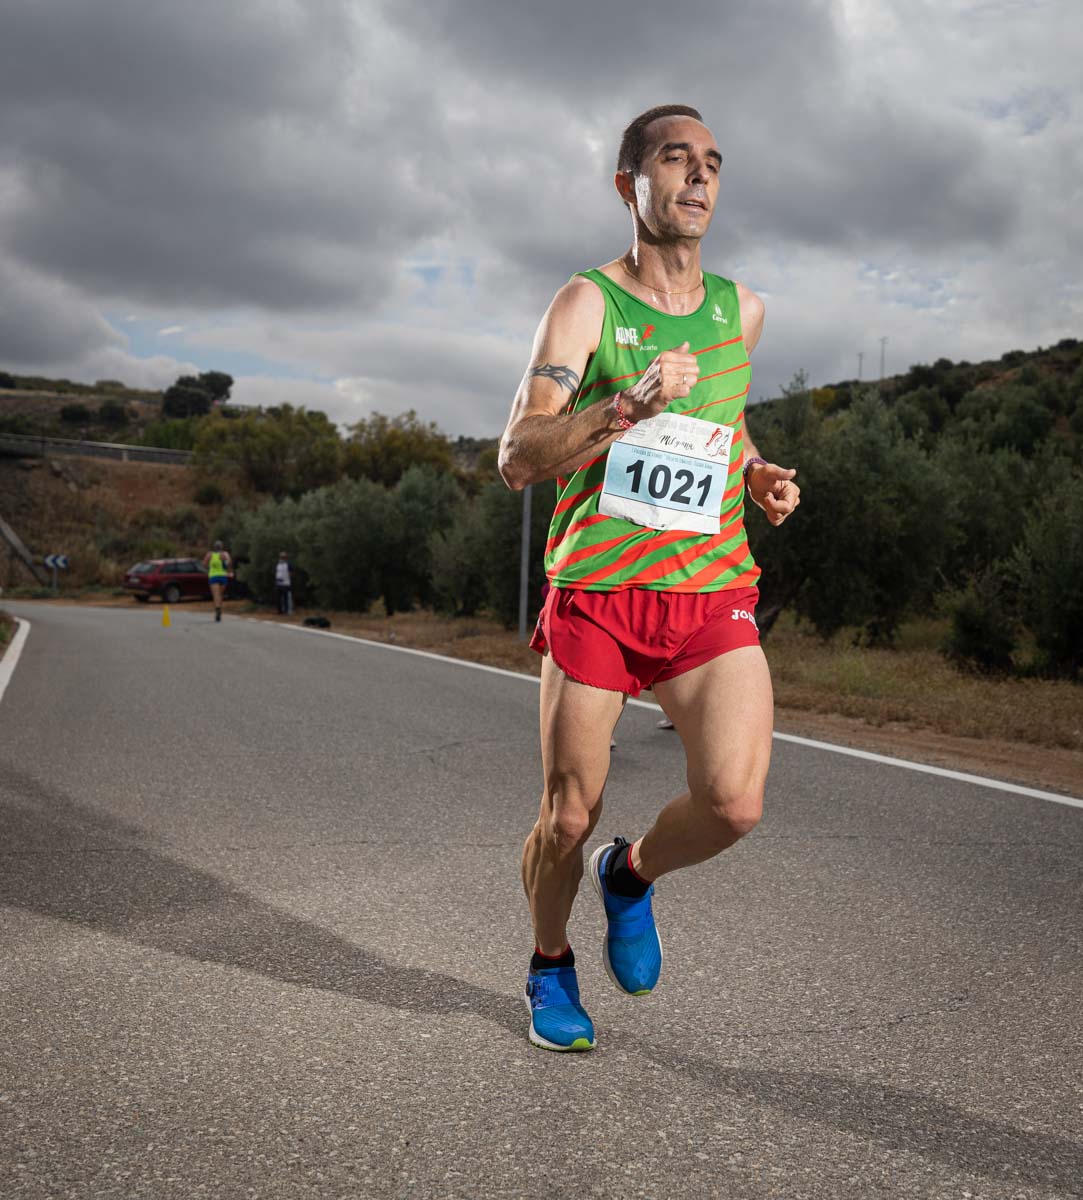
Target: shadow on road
{"x": 68, "y": 862}
{"x": 907, "y": 1122}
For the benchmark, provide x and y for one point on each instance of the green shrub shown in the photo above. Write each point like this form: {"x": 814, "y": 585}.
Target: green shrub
{"x": 500, "y": 515}
{"x": 1049, "y": 566}
{"x": 862, "y": 549}
{"x": 208, "y": 493}
{"x": 75, "y": 414}
{"x": 170, "y": 435}
{"x": 114, "y": 414}
{"x": 984, "y": 629}
{"x": 188, "y": 524}
{"x": 458, "y": 565}
{"x": 149, "y": 518}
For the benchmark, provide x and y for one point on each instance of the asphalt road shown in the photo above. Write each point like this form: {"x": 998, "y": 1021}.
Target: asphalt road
{"x": 262, "y": 935}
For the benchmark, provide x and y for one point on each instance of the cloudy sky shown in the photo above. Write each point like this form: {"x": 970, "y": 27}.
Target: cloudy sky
{"x": 363, "y": 206}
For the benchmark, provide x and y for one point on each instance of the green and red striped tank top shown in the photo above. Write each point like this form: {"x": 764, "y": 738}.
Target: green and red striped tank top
{"x": 587, "y": 549}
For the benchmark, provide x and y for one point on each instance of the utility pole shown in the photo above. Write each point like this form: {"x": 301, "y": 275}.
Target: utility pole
{"x": 860, "y": 356}
{"x": 883, "y": 343}
{"x": 524, "y": 563}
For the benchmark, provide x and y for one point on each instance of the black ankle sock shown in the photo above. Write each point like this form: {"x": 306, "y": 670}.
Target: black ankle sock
{"x": 539, "y": 961}
{"x": 620, "y": 877}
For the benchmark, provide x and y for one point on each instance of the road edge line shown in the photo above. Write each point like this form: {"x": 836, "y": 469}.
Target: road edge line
{"x": 11, "y": 655}
{"x": 944, "y": 772}
{"x": 831, "y": 747}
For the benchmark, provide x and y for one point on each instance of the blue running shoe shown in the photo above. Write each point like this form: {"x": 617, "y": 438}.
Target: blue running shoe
{"x": 631, "y": 948}
{"x": 557, "y": 1020}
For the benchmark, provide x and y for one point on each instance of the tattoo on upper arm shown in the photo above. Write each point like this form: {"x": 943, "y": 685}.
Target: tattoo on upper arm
{"x": 564, "y": 376}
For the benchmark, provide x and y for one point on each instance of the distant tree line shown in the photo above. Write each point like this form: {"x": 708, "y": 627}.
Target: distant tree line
{"x": 953, "y": 490}
{"x": 394, "y": 511}
{"x": 39, "y": 383}
{"x": 423, "y": 540}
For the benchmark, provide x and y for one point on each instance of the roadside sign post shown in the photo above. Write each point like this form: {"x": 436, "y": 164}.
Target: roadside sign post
{"x": 55, "y": 563}
{"x": 524, "y": 564}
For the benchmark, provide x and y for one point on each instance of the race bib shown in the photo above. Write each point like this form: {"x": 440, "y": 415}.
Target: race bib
{"x": 668, "y": 472}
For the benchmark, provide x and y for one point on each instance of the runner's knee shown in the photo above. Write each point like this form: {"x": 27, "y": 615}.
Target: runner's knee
{"x": 733, "y": 812}
{"x": 568, "y": 818}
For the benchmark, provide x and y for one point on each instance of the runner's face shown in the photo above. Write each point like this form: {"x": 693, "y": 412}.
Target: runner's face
{"x": 677, "y": 186}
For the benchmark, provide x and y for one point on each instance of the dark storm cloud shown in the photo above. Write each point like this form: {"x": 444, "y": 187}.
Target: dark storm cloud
{"x": 284, "y": 155}
{"x": 42, "y": 322}
{"x": 268, "y": 165}
{"x": 212, "y": 154}
{"x": 807, "y": 158}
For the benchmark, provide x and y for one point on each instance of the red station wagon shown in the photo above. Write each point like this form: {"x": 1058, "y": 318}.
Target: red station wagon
{"x": 171, "y": 578}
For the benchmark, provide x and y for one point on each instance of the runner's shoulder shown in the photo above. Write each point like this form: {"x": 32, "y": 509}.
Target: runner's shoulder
{"x": 580, "y": 298}
{"x": 751, "y": 304}
{"x": 578, "y": 310}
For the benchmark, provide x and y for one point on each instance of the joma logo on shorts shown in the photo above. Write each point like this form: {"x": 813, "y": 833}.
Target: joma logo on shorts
{"x": 742, "y": 614}
{"x": 627, "y": 337}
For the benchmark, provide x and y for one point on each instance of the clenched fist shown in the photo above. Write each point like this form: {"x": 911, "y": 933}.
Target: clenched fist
{"x": 773, "y": 489}
{"x": 671, "y": 376}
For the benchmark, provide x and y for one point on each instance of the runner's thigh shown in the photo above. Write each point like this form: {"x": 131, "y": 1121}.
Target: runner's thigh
{"x": 577, "y": 723}
{"x": 724, "y": 713}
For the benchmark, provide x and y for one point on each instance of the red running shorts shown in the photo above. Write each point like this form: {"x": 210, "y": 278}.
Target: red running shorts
{"x": 628, "y": 640}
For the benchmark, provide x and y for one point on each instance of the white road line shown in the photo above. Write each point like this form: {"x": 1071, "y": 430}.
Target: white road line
{"x": 11, "y": 657}
{"x": 961, "y": 776}
{"x": 1000, "y": 786}
{"x": 349, "y": 637}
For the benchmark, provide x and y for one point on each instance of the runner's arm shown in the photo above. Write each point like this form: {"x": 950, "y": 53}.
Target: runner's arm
{"x": 769, "y": 485}
{"x": 541, "y": 440}
{"x": 749, "y": 445}
{"x": 751, "y": 307}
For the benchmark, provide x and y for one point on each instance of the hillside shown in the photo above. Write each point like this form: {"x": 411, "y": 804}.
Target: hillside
{"x": 106, "y": 411}
{"x": 1026, "y": 394}
{"x": 104, "y": 515}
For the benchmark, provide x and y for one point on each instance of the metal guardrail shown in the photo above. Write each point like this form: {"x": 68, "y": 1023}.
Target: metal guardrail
{"x": 40, "y": 447}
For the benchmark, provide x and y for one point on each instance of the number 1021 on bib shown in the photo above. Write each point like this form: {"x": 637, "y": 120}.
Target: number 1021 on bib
{"x": 668, "y": 472}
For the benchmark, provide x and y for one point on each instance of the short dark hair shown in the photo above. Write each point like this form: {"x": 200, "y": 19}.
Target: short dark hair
{"x": 633, "y": 142}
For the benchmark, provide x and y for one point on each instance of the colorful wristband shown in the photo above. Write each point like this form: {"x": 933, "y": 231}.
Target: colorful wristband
{"x": 751, "y": 462}
{"x": 622, "y": 420}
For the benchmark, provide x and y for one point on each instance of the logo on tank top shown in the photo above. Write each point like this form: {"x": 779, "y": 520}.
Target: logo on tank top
{"x": 635, "y": 337}
{"x": 717, "y": 314}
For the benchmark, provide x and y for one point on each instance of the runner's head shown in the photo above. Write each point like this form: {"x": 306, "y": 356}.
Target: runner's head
{"x": 667, "y": 172}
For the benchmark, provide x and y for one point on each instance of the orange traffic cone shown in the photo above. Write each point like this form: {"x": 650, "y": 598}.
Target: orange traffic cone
{"x": 166, "y": 622}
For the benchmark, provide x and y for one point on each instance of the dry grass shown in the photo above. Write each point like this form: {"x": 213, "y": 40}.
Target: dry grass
{"x": 911, "y": 686}
{"x": 476, "y": 639}
{"x": 915, "y": 686}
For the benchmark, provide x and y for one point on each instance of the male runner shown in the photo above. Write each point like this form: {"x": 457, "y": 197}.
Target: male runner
{"x": 652, "y": 580}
